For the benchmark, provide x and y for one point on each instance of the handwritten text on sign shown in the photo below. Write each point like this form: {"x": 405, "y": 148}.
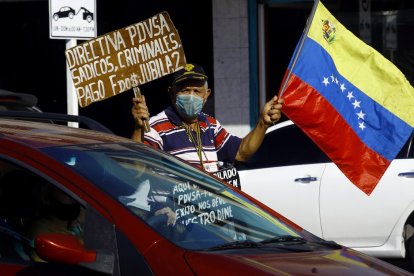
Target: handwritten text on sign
{"x": 200, "y": 206}
{"x": 125, "y": 58}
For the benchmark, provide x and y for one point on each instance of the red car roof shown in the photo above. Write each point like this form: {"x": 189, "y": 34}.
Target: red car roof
{"x": 39, "y": 135}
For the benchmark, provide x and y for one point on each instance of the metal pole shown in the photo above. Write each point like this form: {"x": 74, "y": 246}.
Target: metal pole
{"x": 71, "y": 97}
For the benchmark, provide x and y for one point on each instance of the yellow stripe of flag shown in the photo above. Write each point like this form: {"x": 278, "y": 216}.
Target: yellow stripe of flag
{"x": 366, "y": 68}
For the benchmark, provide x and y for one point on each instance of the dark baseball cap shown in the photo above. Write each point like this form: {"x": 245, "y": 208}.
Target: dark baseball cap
{"x": 191, "y": 71}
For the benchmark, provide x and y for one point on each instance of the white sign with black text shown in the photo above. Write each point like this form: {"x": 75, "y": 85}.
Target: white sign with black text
{"x": 72, "y": 19}
{"x": 230, "y": 175}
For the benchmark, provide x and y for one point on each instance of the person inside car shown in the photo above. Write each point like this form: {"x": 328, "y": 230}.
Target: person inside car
{"x": 62, "y": 215}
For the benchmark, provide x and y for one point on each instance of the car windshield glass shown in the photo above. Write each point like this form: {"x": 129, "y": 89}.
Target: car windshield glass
{"x": 187, "y": 206}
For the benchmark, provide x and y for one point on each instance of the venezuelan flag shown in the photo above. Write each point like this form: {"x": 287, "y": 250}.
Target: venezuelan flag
{"x": 349, "y": 99}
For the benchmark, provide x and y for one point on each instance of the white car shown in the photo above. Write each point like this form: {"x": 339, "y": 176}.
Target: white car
{"x": 291, "y": 174}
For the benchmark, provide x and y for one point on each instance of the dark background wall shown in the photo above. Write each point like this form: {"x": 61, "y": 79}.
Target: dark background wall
{"x": 31, "y": 62}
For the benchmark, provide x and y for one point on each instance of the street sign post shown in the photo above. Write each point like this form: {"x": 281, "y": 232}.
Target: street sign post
{"x": 71, "y": 20}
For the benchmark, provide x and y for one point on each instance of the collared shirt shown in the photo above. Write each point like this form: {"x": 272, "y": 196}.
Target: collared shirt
{"x": 169, "y": 134}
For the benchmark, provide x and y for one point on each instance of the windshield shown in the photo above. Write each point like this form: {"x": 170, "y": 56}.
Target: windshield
{"x": 187, "y": 206}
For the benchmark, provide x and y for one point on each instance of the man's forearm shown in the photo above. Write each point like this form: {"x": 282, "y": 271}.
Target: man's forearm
{"x": 251, "y": 143}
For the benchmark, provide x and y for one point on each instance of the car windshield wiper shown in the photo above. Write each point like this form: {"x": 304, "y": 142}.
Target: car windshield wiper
{"x": 282, "y": 239}
{"x": 287, "y": 241}
{"x": 299, "y": 240}
{"x": 234, "y": 245}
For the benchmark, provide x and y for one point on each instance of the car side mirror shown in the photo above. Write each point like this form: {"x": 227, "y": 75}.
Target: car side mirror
{"x": 67, "y": 249}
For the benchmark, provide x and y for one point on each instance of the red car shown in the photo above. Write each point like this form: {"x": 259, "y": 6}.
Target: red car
{"x": 139, "y": 211}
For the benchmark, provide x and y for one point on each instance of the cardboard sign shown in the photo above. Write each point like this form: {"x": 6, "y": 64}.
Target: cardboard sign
{"x": 120, "y": 60}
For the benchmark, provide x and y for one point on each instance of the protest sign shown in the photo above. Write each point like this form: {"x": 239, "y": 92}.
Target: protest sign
{"x": 230, "y": 175}
{"x": 126, "y": 58}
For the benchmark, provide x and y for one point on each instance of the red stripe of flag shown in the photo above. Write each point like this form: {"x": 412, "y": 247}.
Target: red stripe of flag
{"x": 320, "y": 121}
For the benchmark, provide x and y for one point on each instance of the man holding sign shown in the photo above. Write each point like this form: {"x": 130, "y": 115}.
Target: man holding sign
{"x": 184, "y": 131}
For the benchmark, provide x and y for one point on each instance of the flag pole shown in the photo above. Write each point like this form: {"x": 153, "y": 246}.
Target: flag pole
{"x": 295, "y": 58}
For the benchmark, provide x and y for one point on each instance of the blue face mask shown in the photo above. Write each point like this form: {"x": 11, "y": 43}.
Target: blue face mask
{"x": 189, "y": 105}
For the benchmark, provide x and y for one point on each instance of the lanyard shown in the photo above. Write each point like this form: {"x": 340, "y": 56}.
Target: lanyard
{"x": 197, "y": 141}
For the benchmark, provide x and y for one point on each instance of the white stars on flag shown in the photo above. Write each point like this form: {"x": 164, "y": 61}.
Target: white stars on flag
{"x": 360, "y": 115}
{"x": 356, "y": 104}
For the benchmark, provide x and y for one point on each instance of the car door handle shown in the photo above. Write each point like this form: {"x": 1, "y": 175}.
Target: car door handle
{"x": 306, "y": 179}
{"x": 407, "y": 174}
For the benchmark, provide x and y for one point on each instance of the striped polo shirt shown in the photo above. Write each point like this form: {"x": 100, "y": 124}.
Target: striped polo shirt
{"x": 169, "y": 134}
